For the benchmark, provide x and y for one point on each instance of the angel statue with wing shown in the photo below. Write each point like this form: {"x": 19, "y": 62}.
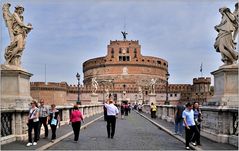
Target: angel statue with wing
{"x": 17, "y": 31}
{"x": 94, "y": 85}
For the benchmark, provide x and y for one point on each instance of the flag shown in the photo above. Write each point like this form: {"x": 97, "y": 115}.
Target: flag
{"x": 201, "y": 68}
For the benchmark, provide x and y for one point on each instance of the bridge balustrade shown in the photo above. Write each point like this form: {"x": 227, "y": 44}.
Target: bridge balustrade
{"x": 14, "y": 127}
{"x": 219, "y": 124}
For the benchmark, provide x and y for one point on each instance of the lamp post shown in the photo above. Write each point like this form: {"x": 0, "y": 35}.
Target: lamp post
{"x": 78, "y": 86}
{"x": 167, "y": 102}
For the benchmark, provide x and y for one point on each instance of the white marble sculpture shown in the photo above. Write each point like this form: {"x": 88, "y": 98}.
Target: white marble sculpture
{"x": 227, "y": 33}
{"x": 152, "y": 85}
{"x": 17, "y": 32}
{"x": 94, "y": 85}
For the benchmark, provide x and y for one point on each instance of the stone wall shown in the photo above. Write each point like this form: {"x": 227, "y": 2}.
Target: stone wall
{"x": 13, "y": 122}
{"x": 219, "y": 124}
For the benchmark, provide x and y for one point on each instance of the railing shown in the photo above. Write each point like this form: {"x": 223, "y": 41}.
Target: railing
{"x": 14, "y": 127}
{"x": 219, "y": 123}
{"x": 6, "y": 123}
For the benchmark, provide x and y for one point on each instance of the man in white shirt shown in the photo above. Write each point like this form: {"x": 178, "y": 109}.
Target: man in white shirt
{"x": 112, "y": 111}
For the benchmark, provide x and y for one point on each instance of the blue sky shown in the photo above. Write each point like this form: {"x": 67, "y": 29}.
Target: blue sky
{"x": 68, "y": 32}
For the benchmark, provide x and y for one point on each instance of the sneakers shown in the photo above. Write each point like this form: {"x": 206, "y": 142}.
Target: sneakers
{"x": 187, "y": 148}
{"x": 29, "y": 144}
{"x": 34, "y": 143}
{"x": 194, "y": 144}
{"x": 52, "y": 140}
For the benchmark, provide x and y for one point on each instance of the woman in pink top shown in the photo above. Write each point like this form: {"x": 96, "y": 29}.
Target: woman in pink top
{"x": 75, "y": 118}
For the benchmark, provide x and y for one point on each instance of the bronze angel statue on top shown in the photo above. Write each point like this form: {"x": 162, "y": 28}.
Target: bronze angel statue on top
{"x": 17, "y": 31}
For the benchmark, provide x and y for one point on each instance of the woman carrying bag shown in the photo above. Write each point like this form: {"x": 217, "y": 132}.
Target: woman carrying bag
{"x": 32, "y": 123}
{"x": 75, "y": 119}
{"x": 54, "y": 120}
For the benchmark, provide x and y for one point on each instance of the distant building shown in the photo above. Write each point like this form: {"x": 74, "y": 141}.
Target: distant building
{"x": 125, "y": 73}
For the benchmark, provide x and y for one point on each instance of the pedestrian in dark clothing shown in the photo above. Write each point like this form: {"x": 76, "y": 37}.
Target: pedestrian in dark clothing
{"x": 122, "y": 109}
{"x": 112, "y": 111}
{"x": 179, "y": 119}
{"x": 189, "y": 123}
{"x": 75, "y": 118}
{"x": 43, "y": 114}
{"x": 126, "y": 109}
{"x": 105, "y": 113}
{"x": 198, "y": 120}
{"x": 54, "y": 120}
{"x": 33, "y": 123}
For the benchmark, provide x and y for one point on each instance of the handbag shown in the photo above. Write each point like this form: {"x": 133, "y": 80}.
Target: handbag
{"x": 53, "y": 121}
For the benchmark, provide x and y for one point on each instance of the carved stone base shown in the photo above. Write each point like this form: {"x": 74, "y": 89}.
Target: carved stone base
{"x": 225, "y": 86}
{"x": 94, "y": 98}
{"x": 15, "y": 89}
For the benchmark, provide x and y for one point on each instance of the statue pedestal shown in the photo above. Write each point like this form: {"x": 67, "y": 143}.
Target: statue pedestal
{"x": 152, "y": 98}
{"x": 94, "y": 98}
{"x": 15, "y": 89}
{"x": 225, "y": 87}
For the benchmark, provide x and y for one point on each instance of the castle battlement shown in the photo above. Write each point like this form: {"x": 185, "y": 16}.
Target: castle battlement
{"x": 202, "y": 80}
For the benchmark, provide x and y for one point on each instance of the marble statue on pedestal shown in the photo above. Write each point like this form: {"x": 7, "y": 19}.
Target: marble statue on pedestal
{"x": 227, "y": 33}
{"x": 17, "y": 31}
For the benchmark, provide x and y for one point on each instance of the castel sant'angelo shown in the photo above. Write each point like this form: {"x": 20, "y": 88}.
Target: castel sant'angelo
{"x": 126, "y": 74}
{"x": 125, "y": 64}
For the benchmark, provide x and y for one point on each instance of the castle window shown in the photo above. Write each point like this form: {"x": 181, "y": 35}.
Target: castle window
{"x": 142, "y": 60}
{"x": 127, "y": 50}
{"x": 120, "y": 58}
{"x": 148, "y": 60}
{"x": 159, "y": 62}
{"x": 164, "y": 64}
{"x": 171, "y": 95}
{"x": 135, "y": 53}
{"x": 120, "y": 50}
{"x": 124, "y": 58}
{"x": 127, "y": 58}
{"x": 175, "y": 94}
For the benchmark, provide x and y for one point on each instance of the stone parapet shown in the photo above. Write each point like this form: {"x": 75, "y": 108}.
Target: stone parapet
{"x": 13, "y": 122}
{"x": 219, "y": 124}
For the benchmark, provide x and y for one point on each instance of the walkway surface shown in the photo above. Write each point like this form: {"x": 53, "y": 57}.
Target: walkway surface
{"x": 132, "y": 133}
{"x": 207, "y": 144}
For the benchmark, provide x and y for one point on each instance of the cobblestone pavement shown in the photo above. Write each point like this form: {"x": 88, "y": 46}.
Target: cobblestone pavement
{"x": 63, "y": 130}
{"x": 132, "y": 133}
{"x": 207, "y": 144}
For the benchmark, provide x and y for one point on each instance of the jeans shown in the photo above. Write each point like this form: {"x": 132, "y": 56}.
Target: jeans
{"x": 53, "y": 130}
{"x": 76, "y": 128}
{"x": 111, "y": 121}
{"x": 42, "y": 120}
{"x": 32, "y": 125}
{"x": 189, "y": 134}
{"x": 178, "y": 126}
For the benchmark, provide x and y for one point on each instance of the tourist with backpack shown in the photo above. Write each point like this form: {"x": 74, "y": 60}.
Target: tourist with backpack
{"x": 178, "y": 119}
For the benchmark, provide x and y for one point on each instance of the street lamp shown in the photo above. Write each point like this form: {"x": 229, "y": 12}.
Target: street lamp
{"x": 78, "y": 86}
{"x": 167, "y": 102}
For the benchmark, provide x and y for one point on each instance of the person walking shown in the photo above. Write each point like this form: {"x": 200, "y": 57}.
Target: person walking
{"x": 75, "y": 118}
{"x": 179, "y": 119}
{"x": 198, "y": 120}
{"x": 43, "y": 114}
{"x": 188, "y": 122}
{"x": 54, "y": 120}
{"x": 122, "y": 108}
{"x": 33, "y": 122}
{"x": 153, "y": 110}
{"x": 112, "y": 111}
